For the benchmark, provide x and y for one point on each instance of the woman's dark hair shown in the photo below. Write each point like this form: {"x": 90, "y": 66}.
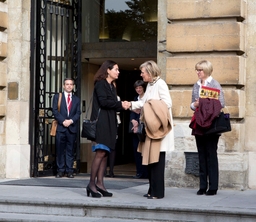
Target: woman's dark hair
{"x": 102, "y": 72}
{"x": 140, "y": 83}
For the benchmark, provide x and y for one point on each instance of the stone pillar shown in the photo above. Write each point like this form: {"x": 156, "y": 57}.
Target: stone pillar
{"x": 250, "y": 118}
{"x": 17, "y": 104}
{"x": 3, "y": 74}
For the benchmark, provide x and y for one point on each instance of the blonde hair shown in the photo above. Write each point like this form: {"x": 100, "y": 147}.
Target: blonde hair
{"x": 151, "y": 68}
{"x": 206, "y": 66}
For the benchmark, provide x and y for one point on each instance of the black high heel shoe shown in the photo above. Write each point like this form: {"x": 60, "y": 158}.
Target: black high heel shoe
{"x": 201, "y": 192}
{"x": 154, "y": 197}
{"x": 94, "y": 194}
{"x": 146, "y": 195}
{"x": 104, "y": 192}
{"x": 211, "y": 192}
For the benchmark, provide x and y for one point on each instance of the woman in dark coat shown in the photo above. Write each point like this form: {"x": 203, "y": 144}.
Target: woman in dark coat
{"x": 106, "y": 104}
{"x": 141, "y": 170}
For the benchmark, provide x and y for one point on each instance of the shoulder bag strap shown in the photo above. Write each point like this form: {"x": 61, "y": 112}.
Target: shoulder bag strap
{"x": 59, "y": 101}
{"x": 89, "y": 108}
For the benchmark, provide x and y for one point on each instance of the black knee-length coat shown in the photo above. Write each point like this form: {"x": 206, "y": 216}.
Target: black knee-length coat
{"x": 105, "y": 98}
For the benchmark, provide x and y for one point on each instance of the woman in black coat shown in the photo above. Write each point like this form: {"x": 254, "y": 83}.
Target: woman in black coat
{"x": 106, "y": 104}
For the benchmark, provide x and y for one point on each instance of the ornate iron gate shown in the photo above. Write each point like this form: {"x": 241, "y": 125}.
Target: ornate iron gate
{"x": 55, "y": 55}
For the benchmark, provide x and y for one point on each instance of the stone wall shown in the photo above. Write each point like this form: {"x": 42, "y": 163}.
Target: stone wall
{"x": 3, "y": 83}
{"x": 14, "y": 88}
{"x": 250, "y": 118}
{"x": 216, "y": 31}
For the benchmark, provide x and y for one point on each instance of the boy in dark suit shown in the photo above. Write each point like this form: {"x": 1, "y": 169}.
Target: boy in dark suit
{"x": 68, "y": 121}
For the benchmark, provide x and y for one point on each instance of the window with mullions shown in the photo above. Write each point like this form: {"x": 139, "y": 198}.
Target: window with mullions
{"x": 120, "y": 20}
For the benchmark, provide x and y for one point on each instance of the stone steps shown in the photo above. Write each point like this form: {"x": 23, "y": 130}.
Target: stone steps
{"x": 13, "y": 210}
{"x": 49, "y": 218}
{"x": 66, "y": 200}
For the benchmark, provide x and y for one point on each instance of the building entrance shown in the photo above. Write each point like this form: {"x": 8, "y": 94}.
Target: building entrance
{"x": 125, "y": 32}
{"x": 124, "y": 148}
{"x": 62, "y": 48}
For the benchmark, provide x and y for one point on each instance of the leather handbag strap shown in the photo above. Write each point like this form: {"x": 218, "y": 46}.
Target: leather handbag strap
{"x": 59, "y": 101}
{"x": 87, "y": 111}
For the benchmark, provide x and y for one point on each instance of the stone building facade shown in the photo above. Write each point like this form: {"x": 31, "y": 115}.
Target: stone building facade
{"x": 188, "y": 31}
{"x": 221, "y": 32}
{"x": 14, "y": 89}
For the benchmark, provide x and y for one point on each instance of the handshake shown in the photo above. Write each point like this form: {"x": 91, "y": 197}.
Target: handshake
{"x": 126, "y": 105}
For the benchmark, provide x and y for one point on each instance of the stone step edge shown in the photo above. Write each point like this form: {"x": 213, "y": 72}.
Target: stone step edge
{"x": 50, "y": 218}
{"x": 122, "y": 211}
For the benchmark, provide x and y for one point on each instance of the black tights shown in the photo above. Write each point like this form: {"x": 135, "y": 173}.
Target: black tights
{"x": 99, "y": 164}
{"x": 111, "y": 159}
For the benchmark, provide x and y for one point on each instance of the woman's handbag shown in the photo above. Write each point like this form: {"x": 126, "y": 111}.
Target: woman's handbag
{"x": 220, "y": 124}
{"x": 89, "y": 127}
{"x": 141, "y": 133}
{"x": 55, "y": 122}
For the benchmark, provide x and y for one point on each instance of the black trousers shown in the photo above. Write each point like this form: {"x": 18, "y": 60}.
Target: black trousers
{"x": 64, "y": 150}
{"x": 156, "y": 177}
{"x": 140, "y": 169}
{"x": 207, "y": 146}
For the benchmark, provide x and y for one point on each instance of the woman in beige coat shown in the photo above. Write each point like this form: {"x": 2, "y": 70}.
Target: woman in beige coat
{"x": 156, "y": 89}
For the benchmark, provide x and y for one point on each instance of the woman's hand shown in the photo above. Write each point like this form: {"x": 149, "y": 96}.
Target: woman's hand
{"x": 137, "y": 111}
{"x": 196, "y": 103}
{"x": 126, "y": 105}
{"x": 134, "y": 122}
{"x": 135, "y": 125}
